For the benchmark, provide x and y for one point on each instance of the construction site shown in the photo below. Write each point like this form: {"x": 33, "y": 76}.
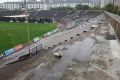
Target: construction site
{"x": 85, "y": 46}
{"x": 89, "y": 51}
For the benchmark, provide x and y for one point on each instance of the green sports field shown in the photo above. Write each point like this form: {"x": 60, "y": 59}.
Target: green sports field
{"x": 12, "y": 34}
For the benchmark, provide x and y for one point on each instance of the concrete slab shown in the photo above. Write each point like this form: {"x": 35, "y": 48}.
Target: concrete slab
{"x": 115, "y": 48}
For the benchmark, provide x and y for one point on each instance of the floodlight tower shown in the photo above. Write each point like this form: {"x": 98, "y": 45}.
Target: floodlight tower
{"x": 26, "y": 21}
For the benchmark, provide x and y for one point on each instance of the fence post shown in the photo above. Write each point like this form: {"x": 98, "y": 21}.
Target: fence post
{"x": 36, "y": 49}
{"x": 117, "y": 30}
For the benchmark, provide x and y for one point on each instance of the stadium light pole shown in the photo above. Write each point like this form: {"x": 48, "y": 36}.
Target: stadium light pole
{"x": 27, "y": 24}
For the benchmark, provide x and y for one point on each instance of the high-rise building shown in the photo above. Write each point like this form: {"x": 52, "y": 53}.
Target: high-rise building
{"x": 44, "y": 4}
{"x": 105, "y": 2}
{"x": 31, "y": 0}
{"x": 117, "y": 2}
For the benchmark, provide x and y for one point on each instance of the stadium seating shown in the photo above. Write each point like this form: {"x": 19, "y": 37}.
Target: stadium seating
{"x": 10, "y": 13}
{"x": 49, "y": 14}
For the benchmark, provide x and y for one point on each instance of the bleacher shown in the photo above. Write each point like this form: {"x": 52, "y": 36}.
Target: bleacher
{"x": 49, "y": 14}
{"x": 10, "y": 13}
{"x": 78, "y": 17}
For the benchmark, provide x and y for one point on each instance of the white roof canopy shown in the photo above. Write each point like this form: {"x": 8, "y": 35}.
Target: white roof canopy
{"x": 15, "y": 16}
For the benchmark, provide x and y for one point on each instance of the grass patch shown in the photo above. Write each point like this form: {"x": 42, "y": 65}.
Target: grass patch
{"x": 12, "y": 34}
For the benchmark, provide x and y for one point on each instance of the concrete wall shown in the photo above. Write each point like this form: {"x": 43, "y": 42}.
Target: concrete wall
{"x": 114, "y": 21}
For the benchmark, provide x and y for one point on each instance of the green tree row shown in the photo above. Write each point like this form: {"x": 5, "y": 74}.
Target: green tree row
{"x": 77, "y": 7}
{"x": 63, "y": 8}
{"x": 112, "y": 8}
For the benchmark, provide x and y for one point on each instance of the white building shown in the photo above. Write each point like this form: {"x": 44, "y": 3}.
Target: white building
{"x": 19, "y": 5}
{"x": 117, "y": 2}
{"x": 105, "y": 2}
{"x": 40, "y": 5}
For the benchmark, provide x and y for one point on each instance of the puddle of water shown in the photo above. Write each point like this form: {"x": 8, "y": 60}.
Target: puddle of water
{"x": 84, "y": 50}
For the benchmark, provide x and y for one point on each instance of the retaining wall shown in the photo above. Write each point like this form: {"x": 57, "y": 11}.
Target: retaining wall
{"x": 114, "y": 21}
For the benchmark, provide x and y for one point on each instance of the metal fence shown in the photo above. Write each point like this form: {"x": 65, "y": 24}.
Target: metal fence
{"x": 31, "y": 52}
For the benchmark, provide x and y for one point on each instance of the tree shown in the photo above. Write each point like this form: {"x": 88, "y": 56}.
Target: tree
{"x": 116, "y": 8}
{"x": 78, "y": 7}
{"x": 95, "y": 8}
{"x": 86, "y": 7}
{"x": 110, "y": 8}
{"x": 63, "y": 8}
{"x": 118, "y": 13}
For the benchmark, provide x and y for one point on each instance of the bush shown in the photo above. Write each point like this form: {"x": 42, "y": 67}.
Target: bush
{"x": 80, "y": 7}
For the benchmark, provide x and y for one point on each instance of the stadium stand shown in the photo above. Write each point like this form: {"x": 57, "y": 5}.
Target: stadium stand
{"x": 5, "y": 13}
{"x": 50, "y": 14}
{"x": 36, "y": 16}
{"x": 77, "y": 18}
{"x": 10, "y": 13}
